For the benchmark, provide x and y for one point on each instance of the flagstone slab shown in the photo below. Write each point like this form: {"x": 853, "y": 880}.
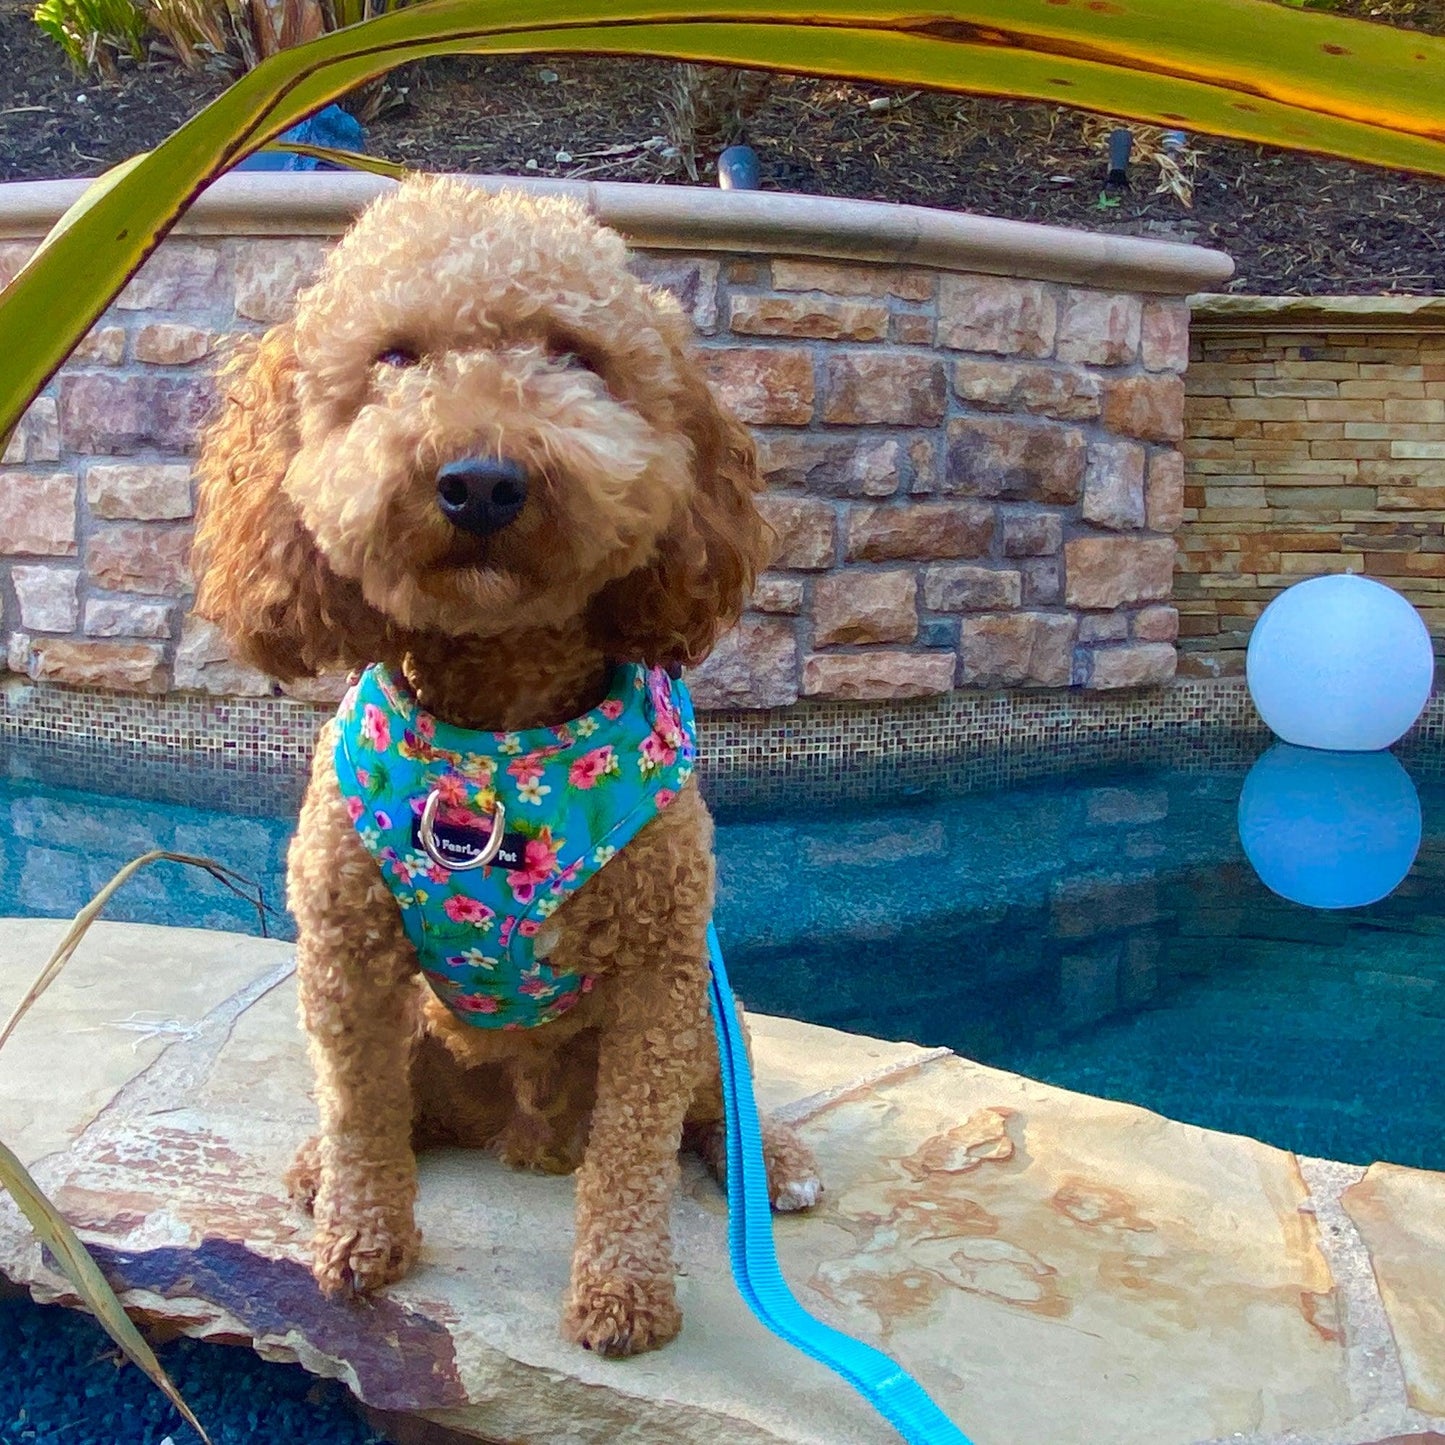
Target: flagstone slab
{"x": 1053, "y": 1267}
{"x": 1065, "y": 1268}
{"x": 1400, "y": 1214}
{"x": 127, "y": 996}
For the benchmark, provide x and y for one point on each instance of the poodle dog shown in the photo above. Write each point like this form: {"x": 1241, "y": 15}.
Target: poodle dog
{"x": 483, "y": 464}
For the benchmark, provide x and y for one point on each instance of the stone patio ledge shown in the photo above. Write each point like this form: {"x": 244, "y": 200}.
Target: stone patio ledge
{"x": 1052, "y": 1267}
{"x": 695, "y": 218}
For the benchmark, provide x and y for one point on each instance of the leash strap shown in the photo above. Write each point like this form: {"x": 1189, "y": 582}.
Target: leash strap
{"x": 894, "y": 1393}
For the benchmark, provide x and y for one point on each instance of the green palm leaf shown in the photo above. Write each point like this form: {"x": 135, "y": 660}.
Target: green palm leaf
{"x": 50, "y": 1226}
{"x": 1243, "y": 68}
{"x": 349, "y": 160}
{"x": 83, "y": 1272}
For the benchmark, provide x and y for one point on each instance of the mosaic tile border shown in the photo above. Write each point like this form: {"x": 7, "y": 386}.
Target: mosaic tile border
{"x": 250, "y": 755}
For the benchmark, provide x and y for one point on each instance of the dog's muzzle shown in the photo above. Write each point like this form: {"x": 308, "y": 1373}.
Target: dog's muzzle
{"x": 481, "y": 495}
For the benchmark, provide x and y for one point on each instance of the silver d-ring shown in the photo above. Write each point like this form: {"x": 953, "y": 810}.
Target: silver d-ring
{"x": 428, "y": 837}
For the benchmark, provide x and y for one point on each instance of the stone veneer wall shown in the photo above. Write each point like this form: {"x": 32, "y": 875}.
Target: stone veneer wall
{"x": 974, "y": 478}
{"x": 1315, "y": 442}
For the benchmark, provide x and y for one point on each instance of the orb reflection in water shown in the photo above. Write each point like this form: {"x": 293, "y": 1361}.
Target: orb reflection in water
{"x": 1327, "y": 829}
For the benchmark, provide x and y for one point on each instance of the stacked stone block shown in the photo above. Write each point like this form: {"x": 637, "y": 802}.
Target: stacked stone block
{"x": 973, "y": 479}
{"x": 96, "y": 492}
{"x": 1308, "y": 452}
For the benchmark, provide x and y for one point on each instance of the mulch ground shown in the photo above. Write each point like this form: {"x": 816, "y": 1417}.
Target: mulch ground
{"x": 1295, "y": 224}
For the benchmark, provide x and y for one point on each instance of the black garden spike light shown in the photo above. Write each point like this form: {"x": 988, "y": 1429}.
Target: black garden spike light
{"x": 1121, "y": 143}
{"x": 1116, "y": 181}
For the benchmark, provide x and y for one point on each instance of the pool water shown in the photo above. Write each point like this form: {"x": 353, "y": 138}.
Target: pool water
{"x": 1100, "y": 929}
{"x": 1104, "y": 932}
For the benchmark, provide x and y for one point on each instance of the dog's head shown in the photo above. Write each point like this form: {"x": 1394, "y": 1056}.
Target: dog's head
{"x": 478, "y": 422}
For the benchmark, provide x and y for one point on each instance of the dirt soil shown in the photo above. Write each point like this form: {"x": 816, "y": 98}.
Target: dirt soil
{"x": 1295, "y": 224}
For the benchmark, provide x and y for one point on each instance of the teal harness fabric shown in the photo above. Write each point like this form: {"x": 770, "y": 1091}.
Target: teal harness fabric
{"x": 573, "y": 796}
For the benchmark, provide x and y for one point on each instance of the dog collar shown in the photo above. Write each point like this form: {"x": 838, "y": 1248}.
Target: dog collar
{"x": 424, "y": 797}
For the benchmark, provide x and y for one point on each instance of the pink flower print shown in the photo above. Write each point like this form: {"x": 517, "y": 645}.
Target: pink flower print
{"x": 539, "y": 858}
{"x": 529, "y": 927}
{"x": 426, "y": 726}
{"x": 591, "y": 766}
{"x": 528, "y": 769}
{"x": 664, "y": 797}
{"x": 437, "y": 874}
{"x": 563, "y": 1002}
{"x": 375, "y": 728}
{"x": 509, "y": 923}
{"x": 535, "y": 988}
{"x": 383, "y": 820}
{"x": 452, "y": 790}
{"x": 669, "y": 720}
{"x": 363, "y": 776}
{"x": 405, "y": 869}
{"x": 477, "y": 1003}
{"x": 461, "y": 909}
{"x": 611, "y": 709}
{"x": 656, "y": 753}
{"x": 354, "y": 809}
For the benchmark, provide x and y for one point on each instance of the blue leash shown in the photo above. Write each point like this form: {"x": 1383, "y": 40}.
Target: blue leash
{"x": 894, "y": 1393}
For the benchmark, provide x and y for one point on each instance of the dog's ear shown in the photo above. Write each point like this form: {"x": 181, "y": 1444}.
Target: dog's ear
{"x": 260, "y": 575}
{"x": 672, "y": 609}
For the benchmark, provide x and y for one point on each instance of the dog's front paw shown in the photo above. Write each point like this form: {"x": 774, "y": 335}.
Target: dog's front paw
{"x": 362, "y": 1247}
{"x": 620, "y": 1314}
{"x": 793, "y": 1181}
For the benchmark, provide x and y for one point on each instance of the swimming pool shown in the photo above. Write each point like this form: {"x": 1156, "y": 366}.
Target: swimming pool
{"x": 1100, "y": 929}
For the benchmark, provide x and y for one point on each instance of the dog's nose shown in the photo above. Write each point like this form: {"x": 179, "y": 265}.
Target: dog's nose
{"x": 481, "y": 495}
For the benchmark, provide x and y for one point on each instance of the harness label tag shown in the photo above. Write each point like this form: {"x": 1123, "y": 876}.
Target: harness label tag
{"x": 461, "y": 844}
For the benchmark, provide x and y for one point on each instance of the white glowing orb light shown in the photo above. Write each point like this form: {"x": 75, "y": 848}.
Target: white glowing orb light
{"x": 1340, "y": 662}
{"x": 1329, "y": 830}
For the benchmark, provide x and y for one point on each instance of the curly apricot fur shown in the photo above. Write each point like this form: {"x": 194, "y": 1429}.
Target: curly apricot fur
{"x": 321, "y": 544}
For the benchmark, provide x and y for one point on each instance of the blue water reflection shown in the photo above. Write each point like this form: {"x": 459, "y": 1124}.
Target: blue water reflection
{"x": 1328, "y": 829}
{"x": 1102, "y": 929}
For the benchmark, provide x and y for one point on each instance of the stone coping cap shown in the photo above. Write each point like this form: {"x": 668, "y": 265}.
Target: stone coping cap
{"x": 1326, "y": 313}
{"x": 693, "y": 218}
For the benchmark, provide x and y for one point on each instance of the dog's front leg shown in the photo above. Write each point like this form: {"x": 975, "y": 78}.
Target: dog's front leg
{"x": 355, "y": 975}
{"x": 622, "y": 1298}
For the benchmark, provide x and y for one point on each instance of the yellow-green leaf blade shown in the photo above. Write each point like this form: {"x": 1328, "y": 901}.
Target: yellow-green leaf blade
{"x": 48, "y": 1223}
{"x": 350, "y": 160}
{"x": 102, "y": 185}
{"x": 1235, "y": 67}
{"x": 83, "y": 1272}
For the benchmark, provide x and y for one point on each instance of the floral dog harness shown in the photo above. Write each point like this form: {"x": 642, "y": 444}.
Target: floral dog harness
{"x": 480, "y": 836}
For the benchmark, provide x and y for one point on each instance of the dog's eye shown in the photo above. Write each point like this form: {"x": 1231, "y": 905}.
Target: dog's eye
{"x": 397, "y": 356}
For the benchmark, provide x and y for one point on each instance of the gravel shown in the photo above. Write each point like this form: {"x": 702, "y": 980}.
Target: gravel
{"x": 62, "y": 1382}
